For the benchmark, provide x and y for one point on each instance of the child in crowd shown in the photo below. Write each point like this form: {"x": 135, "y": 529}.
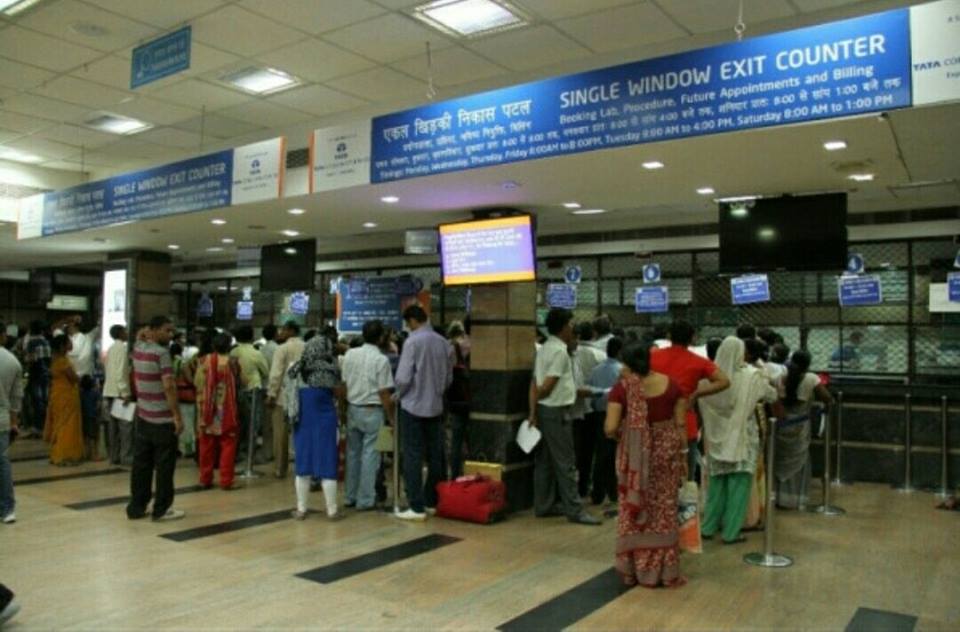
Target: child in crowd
{"x": 89, "y": 412}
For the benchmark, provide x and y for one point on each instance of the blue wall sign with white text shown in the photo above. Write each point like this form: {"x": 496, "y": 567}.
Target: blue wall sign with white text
{"x": 753, "y": 288}
{"x": 652, "y": 299}
{"x": 953, "y": 287}
{"x": 860, "y": 290}
{"x": 573, "y": 274}
{"x": 205, "y": 306}
{"x": 374, "y": 298}
{"x": 299, "y": 303}
{"x": 160, "y": 58}
{"x": 855, "y": 263}
{"x": 244, "y": 310}
{"x": 651, "y": 273}
{"x": 562, "y": 295}
{"x": 820, "y": 72}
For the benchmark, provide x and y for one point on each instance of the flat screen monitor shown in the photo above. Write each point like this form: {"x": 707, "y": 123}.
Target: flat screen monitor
{"x": 288, "y": 266}
{"x": 801, "y": 233}
{"x": 488, "y": 251}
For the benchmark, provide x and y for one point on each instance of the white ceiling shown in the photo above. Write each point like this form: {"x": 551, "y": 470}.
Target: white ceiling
{"x": 361, "y": 58}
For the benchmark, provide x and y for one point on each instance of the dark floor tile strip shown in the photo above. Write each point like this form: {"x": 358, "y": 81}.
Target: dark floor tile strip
{"x": 227, "y": 527}
{"x": 377, "y": 559}
{"x": 24, "y": 459}
{"x": 870, "y": 620}
{"x": 68, "y": 477}
{"x": 573, "y": 605}
{"x": 122, "y": 500}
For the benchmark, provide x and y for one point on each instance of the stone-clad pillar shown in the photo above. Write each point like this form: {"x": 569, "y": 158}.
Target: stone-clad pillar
{"x": 503, "y": 337}
{"x": 148, "y": 284}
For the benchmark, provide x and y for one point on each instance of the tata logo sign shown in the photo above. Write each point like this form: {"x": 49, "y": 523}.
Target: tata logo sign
{"x": 255, "y": 167}
{"x": 341, "y": 153}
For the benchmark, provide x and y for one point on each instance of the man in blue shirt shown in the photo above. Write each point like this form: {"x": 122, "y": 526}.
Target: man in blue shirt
{"x": 423, "y": 376}
{"x": 603, "y": 377}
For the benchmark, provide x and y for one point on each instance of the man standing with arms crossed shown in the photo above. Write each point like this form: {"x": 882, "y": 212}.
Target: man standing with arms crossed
{"x": 158, "y": 423}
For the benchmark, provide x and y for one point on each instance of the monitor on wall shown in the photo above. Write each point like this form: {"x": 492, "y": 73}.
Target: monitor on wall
{"x": 801, "y": 233}
{"x": 289, "y": 266}
{"x": 488, "y": 251}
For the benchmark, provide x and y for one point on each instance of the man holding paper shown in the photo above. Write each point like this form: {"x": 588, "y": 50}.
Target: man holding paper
{"x": 116, "y": 396}
{"x": 552, "y": 392}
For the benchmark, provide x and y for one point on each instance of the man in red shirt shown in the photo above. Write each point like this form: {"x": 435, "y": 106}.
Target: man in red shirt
{"x": 687, "y": 369}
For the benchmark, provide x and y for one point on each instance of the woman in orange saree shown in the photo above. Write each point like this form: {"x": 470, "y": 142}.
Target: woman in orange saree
{"x": 63, "y": 429}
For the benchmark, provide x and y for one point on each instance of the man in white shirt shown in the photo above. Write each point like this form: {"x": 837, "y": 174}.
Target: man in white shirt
{"x": 552, "y": 392}
{"x": 116, "y": 385}
{"x": 11, "y": 396}
{"x": 287, "y": 353}
{"x": 585, "y": 359}
{"x": 81, "y": 355}
{"x": 367, "y": 375}
{"x": 268, "y": 343}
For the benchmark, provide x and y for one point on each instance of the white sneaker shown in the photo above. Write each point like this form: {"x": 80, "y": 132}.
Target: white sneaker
{"x": 172, "y": 514}
{"x": 9, "y": 612}
{"x": 411, "y": 515}
{"x": 431, "y": 511}
{"x": 10, "y": 518}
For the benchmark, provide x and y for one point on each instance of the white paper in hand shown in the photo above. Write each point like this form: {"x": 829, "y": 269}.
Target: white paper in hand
{"x": 528, "y": 436}
{"x": 123, "y": 411}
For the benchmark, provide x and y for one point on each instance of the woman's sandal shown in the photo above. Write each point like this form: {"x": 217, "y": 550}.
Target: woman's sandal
{"x": 738, "y": 540}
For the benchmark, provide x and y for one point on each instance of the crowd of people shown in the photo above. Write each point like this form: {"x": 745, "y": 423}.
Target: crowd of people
{"x": 668, "y": 410}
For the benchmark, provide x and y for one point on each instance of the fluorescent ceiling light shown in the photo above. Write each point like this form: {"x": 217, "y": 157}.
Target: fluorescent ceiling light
{"x": 260, "y": 80}
{"x": 215, "y": 249}
{"x": 173, "y": 247}
{"x": 369, "y": 224}
{"x": 227, "y": 240}
{"x": 218, "y": 222}
{"x": 8, "y": 153}
{"x": 13, "y": 7}
{"x": 290, "y": 233}
{"x": 290, "y": 251}
{"x": 470, "y": 18}
{"x": 590, "y": 211}
{"x": 706, "y": 191}
{"x": 834, "y": 145}
{"x": 739, "y": 198}
{"x": 652, "y": 164}
{"x": 296, "y": 211}
{"x": 767, "y": 234}
{"x": 861, "y": 177}
{"x": 739, "y": 210}
{"x": 116, "y": 124}
{"x": 390, "y": 199}
{"x": 571, "y": 205}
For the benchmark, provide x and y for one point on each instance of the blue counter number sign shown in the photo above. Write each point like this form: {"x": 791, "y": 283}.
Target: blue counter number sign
{"x": 573, "y": 274}
{"x": 300, "y": 303}
{"x": 244, "y": 310}
{"x": 205, "y": 306}
{"x": 855, "y": 263}
{"x": 651, "y": 273}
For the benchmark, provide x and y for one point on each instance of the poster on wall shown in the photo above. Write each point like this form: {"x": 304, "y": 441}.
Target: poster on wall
{"x": 378, "y": 298}
{"x": 752, "y": 288}
{"x": 340, "y": 157}
{"x": 114, "y": 305}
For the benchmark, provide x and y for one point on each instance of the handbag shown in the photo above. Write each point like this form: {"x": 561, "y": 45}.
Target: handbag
{"x": 476, "y": 498}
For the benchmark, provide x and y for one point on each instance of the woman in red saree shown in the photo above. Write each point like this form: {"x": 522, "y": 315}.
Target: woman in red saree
{"x": 216, "y": 379}
{"x": 646, "y": 413}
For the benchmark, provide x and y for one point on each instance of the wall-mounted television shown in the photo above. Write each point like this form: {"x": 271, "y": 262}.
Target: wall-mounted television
{"x": 288, "y": 266}
{"x": 801, "y": 233}
{"x": 488, "y": 251}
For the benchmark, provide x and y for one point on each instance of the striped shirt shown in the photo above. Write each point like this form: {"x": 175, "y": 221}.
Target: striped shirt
{"x": 151, "y": 363}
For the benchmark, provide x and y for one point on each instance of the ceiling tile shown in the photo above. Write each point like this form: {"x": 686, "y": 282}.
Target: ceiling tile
{"x": 399, "y": 4}
{"x": 808, "y": 6}
{"x": 76, "y": 135}
{"x": 387, "y": 38}
{"x": 704, "y": 16}
{"x": 172, "y": 137}
{"x": 314, "y": 60}
{"x": 317, "y": 100}
{"x": 42, "y": 147}
{"x": 102, "y": 158}
{"x": 131, "y": 147}
{"x": 110, "y": 71}
{"x": 51, "y": 109}
{"x": 625, "y": 27}
{"x": 85, "y": 93}
{"x": 56, "y": 19}
{"x": 164, "y": 15}
{"x": 8, "y": 134}
{"x": 242, "y": 32}
{"x": 379, "y": 84}
{"x": 155, "y": 112}
{"x": 22, "y": 76}
{"x": 266, "y": 114}
{"x": 314, "y": 16}
{"x": 40, "y": 50}
{"x": 196, "y": 93}
{"x": 529, "y": 48}
{"x": 559, "y": 9}
{"x": 22, "y": 123}
{"x": 451, "y": 67}
{"x": 218, "y": 126}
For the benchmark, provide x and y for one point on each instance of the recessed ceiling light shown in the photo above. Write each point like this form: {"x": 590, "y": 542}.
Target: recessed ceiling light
{"x": 470, "y": 18}
{"x": 214, "y": 249}
{"x": 738, "y": 198}
{"x": 589, "y": 211}
{"x": 390, "y": 199}
{"x": 767, "y": 234}
{"x": 260, "y": 80}
{"x": 89, "y": 29}
{"x": 7, "y": 153}
{"x": 571, "y": 205}
{"x": 173, "y": 247}
{"x": 290, "y": 251}
{"x": 834, "y": 145}
{"x": 116, "y": 124}
{"x": 369, "y": 224}
{"x": 861, "y": 177}
{"x": 222, "y": 288}
{"x": 218, "y": 222}
{"x": 290, "y": 233}
{"x": 296, "y": 211}
{"x": 652, "y": 164}
{"x": 739, "y": 210}
{"x": 227, "y": 240}
{"x": 706, "y": 191}
{"x": 13, "y": 7}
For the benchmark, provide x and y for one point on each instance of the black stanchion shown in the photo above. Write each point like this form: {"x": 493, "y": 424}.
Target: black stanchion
{"x": 907, "y": 486}
{"x": 837, "y": 477}
{"x": 250, "y": 473}
{"x": 768, "y": 558}
{"x": 944, "y": 451}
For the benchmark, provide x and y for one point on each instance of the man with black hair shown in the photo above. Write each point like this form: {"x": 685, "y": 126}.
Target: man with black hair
{"x": 287, "y": 353}
{"x": 585, "y": 358}
{"x": 267, "y": 345}
{"x": 603, "y": 332}
{"x": 603, "y": 378}
{"x": 423, "y": 376}
{"x": 11, "y": 396}
{"x": 552, "y": 392}
{"x": 746, "y": 331}
{"x": 254, "y": 373}
{"x": 116, "y": 385}
{"x": 37, "y": 349}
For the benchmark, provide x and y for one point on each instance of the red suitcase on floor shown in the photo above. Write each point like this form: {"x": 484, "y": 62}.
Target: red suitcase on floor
{"x": 472, "y": 498}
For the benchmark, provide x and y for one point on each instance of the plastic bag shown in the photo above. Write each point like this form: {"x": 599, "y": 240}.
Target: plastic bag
{"x": 688, "y": 518}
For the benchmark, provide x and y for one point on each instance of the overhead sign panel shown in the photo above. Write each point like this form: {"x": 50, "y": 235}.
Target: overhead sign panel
{"x": 160, "y": 58}
{"x": 825, "y": 71}
{"x": 935, "y": 49}
{"x": 340, "y": 157}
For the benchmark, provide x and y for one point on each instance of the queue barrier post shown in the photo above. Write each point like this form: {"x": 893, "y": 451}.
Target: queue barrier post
{"x": 944, "y": 451}
{"x": 837, "y": 477}
{"x": 826, "y": 507}
{"x": 249, "y": 473}
{"x": 396, "y": 464}
{"x": 768, "y": 558}
{"x": 907, "y": 486}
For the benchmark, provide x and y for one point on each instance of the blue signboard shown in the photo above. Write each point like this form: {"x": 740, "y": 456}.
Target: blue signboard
{"x": 299, "y": 303}
{"x": 651, "y": 273}
{"x": 652, "y": 299}
{"x": 855, "y": 263}
{"x": 374, "y": 298}
{"x": 562, "y": 295}
{"x": 754, "y": 288}
{"x": 820, "y": 72}
{"x": 573, "y": 274}
{"x": 160, "y": 58}
{"x": 953, "y": 287}
{"x": 859, "y": 290}
{"x": 205, "y": 306}
{"x": 244, "y": 310}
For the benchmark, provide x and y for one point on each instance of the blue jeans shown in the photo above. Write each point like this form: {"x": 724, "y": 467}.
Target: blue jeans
{"x": 421, "y": 435}
{"x": 39, "y": 392}
{"x": 7, "y": 501}
{"x": 363, "y": 460}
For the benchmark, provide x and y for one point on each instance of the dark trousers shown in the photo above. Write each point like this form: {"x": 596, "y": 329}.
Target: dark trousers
{"x": 38, "y": 391}
{"x": 584, "y": 443}
{"x": 422, "y": 437}
{"x": 604, "y": 467}
{"x": 155, "y": 448}
{"x": 555, "y": 470}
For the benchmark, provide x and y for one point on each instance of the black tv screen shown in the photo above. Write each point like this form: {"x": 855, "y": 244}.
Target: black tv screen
{"x": 802, "y": 233}
{"x": 288, "y": 266}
